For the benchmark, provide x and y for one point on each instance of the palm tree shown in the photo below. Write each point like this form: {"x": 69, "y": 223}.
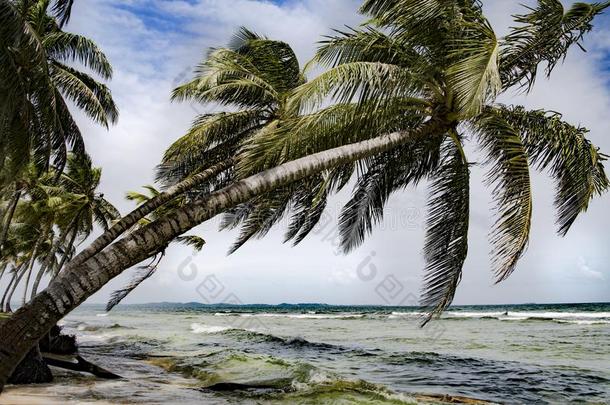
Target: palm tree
{"x": 420, "y": 64}
{"x": 435, "y": 35}
{"x": 52, "y": 215}
{"x": 255, "y": 78}
{"x": 81, "y": 207}
{"x": 38, "y": 83}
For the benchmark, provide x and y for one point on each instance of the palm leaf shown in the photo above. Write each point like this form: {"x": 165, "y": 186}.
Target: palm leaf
{"x": 474, "y": 77}
{"x": 573, "y": 161}
{"x": 544, "y": 35}
{"x": 509, "y": 172}
{"x": 447, "y": 235}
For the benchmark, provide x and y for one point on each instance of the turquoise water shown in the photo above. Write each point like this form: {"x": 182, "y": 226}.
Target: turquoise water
{"x": 342, "y": 355}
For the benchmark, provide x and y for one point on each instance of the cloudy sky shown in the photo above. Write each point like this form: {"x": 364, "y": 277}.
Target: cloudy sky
{"x": 153, "y": 45}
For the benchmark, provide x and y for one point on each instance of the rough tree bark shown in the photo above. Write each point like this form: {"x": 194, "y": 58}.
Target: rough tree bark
{"x": 77, "y": 282}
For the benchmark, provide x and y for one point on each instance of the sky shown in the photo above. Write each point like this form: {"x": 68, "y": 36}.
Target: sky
{"x": 154, "y": 45}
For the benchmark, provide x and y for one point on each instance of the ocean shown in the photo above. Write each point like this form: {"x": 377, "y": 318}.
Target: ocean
{"x": 320, "y": 354}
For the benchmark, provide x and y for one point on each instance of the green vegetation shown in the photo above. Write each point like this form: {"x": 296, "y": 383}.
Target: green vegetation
{"x": 48, "y": 198}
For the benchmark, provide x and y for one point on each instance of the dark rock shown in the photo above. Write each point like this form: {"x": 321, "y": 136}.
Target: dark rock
{"x": 57, "y": 343}
{"x": 32, "y": 370}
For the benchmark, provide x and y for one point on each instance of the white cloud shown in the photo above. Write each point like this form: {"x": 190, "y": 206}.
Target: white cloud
{"x": 586, "y": 271}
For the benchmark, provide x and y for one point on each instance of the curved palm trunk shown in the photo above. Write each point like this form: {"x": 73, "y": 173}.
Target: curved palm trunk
{"x": 77, "y": 282}
{"x": 9, "y": 217}
{"x": 8, "y": 288}
{"x": 30, "y": 267}
{"x": 66, "y": 254}
{"x": 19, "y": 275}
{"x": 149, "y": 206}
{"x": 49, "y": 260}
{"x": 2, "y": 270}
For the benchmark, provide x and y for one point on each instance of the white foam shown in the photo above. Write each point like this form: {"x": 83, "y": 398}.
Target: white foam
{"x": 302, "y": 316}
{"x": 522, "y": 315}
{"x": 207, "y": 329}
{"x": 585, "y": 322}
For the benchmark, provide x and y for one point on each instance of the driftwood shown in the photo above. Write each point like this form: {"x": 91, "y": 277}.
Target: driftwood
{"x": 77, "y": 363}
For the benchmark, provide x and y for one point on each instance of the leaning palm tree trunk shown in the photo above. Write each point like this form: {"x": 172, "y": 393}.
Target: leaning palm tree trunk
{"x": 78, "y": 282}
{"x": 49, "y": 260}
{"x": 149, "y": 206}
{"x": 9, "y": 217}
{"x": 16, "y": 280}
{"x": 67, "y": 253}
{"x": 30, "y": 268}
{"x": 8, "y": 287}
{"x": 3, "y": 269}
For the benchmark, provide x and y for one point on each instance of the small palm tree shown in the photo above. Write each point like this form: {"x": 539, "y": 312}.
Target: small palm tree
{"x": 79, "y": 206}
{"x": 146, "y": 271}
{"x": 252, "y": 78}
{"x": 255, "y": 77}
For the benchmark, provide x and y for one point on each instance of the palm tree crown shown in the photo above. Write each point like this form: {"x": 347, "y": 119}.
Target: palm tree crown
{"x": 439, "y": 65}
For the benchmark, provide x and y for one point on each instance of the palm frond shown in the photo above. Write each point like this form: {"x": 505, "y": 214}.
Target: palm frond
{"x": 386, "y": 174}
{"x": 267, "y": 211}
{"x": 509, "y": 172}
{"x": 92, "y": 97}
{"x": 544, "y": 35}
{"x": 368, "y": 45}
{"x": 363, "y": 81}
{"x": 63, "y": 10}
{"x": 193, "y": 241}
{"x": 573, "y": 161}
{"x": 142, "y": 274}
{"x": 474, "y": 77}
{"x": 447, "y": 235}
{"x": 68, "y": 47}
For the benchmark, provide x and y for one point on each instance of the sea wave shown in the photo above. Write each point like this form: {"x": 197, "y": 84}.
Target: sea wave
{"x": 208, "y": 329}
{"x": 278, "y": 380}
{"x": 257, "y": 336}
{"x": 309, "y": 315}
{"x": 580, "y": 318}
{"x": 85, "y": 327}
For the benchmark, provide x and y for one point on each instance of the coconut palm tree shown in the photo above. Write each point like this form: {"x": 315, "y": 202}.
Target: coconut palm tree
{"x": 255, "y": 78}
{"x": 38, "y": 84}
{"x": 52, "y": 215}
{"x": 421, "y": 64}
{"x": 81, "y": 207}
{"x": 455, "y": 35}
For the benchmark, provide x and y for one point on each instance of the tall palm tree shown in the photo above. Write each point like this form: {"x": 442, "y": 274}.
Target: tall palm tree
{"x": 421, "y": 23}
{"x": 420, "y": 64}
{"x": 38, "y": 84}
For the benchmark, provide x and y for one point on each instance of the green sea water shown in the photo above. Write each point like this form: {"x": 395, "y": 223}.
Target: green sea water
{"x": 317, "y": 354}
